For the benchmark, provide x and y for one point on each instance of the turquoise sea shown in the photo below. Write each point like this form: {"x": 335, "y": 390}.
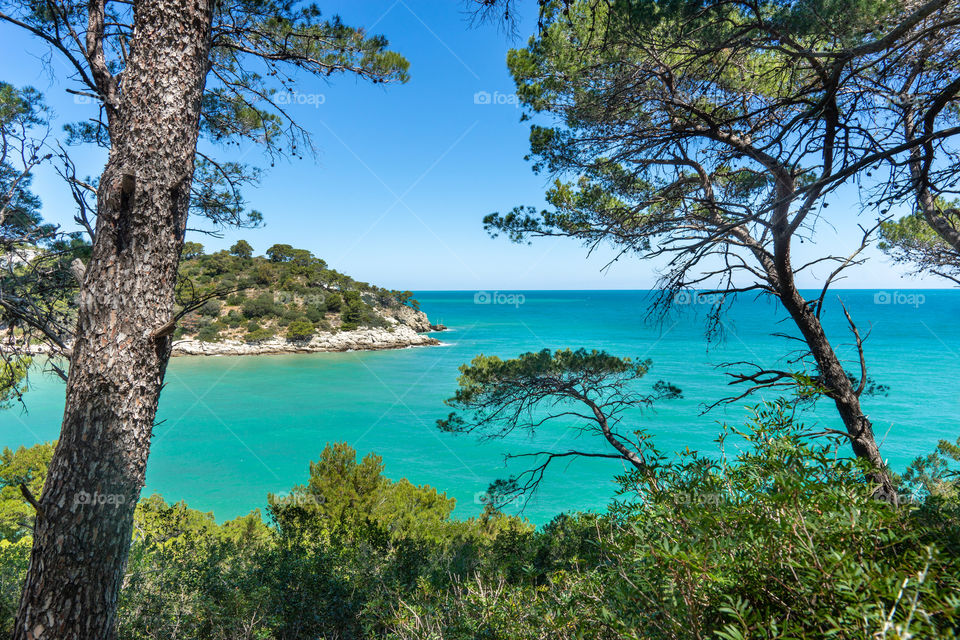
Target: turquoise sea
{"x": 232, "y": 429}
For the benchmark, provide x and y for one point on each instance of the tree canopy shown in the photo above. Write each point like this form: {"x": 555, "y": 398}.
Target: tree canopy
{"x": 261, "y": 52}
{"x": 712, "y": 137}
{"x": 591, "y": 392}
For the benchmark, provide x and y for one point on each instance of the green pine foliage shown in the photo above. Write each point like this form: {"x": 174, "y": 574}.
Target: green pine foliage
{"x": 13, "y": 378}
{"x": 911, "y": 240}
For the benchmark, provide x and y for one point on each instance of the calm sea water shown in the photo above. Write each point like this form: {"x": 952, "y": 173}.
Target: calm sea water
{"x": 233, "y": 429}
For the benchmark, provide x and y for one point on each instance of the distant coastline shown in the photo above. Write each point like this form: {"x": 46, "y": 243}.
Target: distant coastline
{"x": 399, "y": 336}
{"x": 366, "y": 339}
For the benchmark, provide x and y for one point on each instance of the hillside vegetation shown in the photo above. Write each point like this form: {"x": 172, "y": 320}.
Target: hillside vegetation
{"x": 287, "y": 293}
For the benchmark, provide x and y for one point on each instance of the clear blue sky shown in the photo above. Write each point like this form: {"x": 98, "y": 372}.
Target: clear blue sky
{"x": 406, "y": 172}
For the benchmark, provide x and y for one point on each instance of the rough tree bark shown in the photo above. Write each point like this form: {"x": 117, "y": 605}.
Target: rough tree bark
{"x": 85, "y": 518}
{"x": 839, "y": 387}
{"x": 920, "y": 163}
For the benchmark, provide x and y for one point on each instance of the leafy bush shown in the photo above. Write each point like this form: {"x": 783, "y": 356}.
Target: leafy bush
{"x": 314, "y": 314}
{"x": 14, "y": 559}
{"x": 234, "y": 318}
{"x": 259, "y": 307}
{"x": 27, "y": 466}
{"x": 236, "y": 299}
{"x": 208, "y": 333}
{"x": 210, "y": 309}
{"x": 333, "y": 302}
{"x": 300, "y": 330}
{"x": 781, "y": 541}
{"x": 258, "y": 335}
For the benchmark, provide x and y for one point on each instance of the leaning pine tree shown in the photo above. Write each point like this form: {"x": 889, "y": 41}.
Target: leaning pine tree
{"x": 163, "y": 71}
{"x": 710, "y": 135}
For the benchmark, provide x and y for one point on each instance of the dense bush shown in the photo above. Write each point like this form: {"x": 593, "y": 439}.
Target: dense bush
{"x": 781, "y": 540}
{"x": 209, "y": 333}
{"x": 314, "y": 314}
{"x": 333, "y": 302}
{"x": 258, "y": 335}
{"x": 262, "y": 305}
{"x": 210, "y": 309}
{"x": 300, "y": 330}
{"x": 236, "y": 299}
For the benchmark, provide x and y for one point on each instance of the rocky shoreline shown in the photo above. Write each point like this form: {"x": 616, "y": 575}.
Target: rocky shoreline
{"x": 396, "y": 337}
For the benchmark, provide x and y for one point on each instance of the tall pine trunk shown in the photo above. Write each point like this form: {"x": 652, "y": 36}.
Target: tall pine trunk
{"x": 833, "y": 375}
{"x": 83, "y": 530}
{"x": 841, "y": 391}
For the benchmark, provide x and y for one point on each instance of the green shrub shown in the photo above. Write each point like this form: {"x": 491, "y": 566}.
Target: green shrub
{"x": 782, "y": 540}
{"x": 300, "y": 330}
{"x": 258, "y": 335}
{"x": 333, "y": 302}
{"x": 259, "y": 307}
{"x": 208, "y": 333}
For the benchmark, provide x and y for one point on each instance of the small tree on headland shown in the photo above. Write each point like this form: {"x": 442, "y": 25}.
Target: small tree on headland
{"x": 281, "y": 253}
{"x": 351, "y": 313}
{"x": 192, "y": 250}
{"x": 242, "y": 250}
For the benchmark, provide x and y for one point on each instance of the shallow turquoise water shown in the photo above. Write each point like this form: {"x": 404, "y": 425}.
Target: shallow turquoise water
{"x": 233, "y": 429}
